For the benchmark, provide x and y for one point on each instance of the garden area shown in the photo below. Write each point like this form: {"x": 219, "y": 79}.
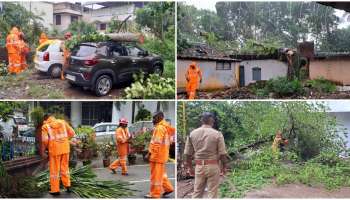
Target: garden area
{"x": 155, "y": 21}
{"x": 314, "y": 159}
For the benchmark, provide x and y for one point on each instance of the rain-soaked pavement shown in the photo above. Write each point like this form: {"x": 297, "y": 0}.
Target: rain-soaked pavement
{"x": 139, "y": 175}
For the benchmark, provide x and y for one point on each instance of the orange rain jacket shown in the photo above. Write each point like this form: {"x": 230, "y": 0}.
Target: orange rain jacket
{"x": 55, "y": 136}
{"x": 14, "y": 51}
{"x": 43, "y": 38}
{"x": 160, "y": 142}
{"x": 122, "y": 137}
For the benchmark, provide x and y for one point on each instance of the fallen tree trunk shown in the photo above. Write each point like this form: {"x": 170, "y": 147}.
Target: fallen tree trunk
{"x": 126, "y": 37}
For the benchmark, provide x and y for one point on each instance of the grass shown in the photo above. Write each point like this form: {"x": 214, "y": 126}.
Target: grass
{"x": 262, "y": 168}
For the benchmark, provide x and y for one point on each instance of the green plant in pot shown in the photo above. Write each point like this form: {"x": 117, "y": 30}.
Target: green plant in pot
{"x": 106, "y": 149}
{"x": 88, "y": 143}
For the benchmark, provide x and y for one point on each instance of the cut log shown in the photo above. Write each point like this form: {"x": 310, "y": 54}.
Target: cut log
{"x": 126, "y": 37}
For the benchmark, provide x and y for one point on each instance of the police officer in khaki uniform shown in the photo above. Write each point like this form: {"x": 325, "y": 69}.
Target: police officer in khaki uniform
{"x": 207, "y": 147}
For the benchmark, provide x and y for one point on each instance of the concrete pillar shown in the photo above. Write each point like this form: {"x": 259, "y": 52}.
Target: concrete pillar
{"x": 115, "y": 113}
{"x": 76, "y": 113}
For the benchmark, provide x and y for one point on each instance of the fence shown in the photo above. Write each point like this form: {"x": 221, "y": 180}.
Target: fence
{"x": 17, "y": 148}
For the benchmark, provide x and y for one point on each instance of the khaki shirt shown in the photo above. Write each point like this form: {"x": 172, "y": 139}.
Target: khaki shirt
{"x": 205, "y": 143}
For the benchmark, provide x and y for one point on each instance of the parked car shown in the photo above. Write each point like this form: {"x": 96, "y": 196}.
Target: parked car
{"x": 105, "y": 131}
{"x": 28, "y": 135}
{"x": 49, "y": 58}
{"x": 101, "y": 65}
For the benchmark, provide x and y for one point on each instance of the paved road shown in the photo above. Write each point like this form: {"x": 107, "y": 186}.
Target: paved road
{"x": 138, "y": 175}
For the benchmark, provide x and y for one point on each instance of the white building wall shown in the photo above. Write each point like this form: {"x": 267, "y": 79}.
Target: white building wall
{"x": 41, "y": 9}
{"x": 269, "y": 69}
{"x": 343, "y": 118}
{"x": 212, "y": 78}
{"x": 65, "y": 21}
{"x": 106, "y": 14}
{"x": 76, "y": 113}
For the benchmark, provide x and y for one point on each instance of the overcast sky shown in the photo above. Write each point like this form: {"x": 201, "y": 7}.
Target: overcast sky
{"x": 210, "y": 5}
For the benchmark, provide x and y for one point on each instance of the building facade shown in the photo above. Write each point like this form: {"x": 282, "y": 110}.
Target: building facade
{"x": 43, "y": 9}
{"x": 91, "y": 113}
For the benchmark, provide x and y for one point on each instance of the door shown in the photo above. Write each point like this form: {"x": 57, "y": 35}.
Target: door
{"x": 121, "y": 63}
{"x": 241, "y": 76}
{"x": 139, "y": 61}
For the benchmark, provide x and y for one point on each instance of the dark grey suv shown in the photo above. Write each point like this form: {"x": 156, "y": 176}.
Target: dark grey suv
{"x": 101, "y": 65}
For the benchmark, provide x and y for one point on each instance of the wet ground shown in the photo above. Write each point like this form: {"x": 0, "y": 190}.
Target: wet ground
{"x": 185, "y": 189}
{"x": 32, "y": 84}
{"x": 139, "y": 175}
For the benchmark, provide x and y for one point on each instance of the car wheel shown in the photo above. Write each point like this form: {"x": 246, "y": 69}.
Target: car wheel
{"x": 103, "y": 85}
{"x": 158, "y": 70}
{"x": 55, "y": 71}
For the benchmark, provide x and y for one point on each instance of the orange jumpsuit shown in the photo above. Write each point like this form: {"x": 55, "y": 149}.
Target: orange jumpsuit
{"x": 66, "y": 54}
{"x": 193, "y": 77}
{"x": 24, "y": 51}
{"x": 122, "y": 137}
{"x": 13, "y": 50}
{"x": 55, "y": 137}
{"x": 159, "y": 154}
{"x": 43, "y": 38}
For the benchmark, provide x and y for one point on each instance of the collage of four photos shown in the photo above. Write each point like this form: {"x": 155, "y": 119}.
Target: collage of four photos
{"x": 174, "y": 99}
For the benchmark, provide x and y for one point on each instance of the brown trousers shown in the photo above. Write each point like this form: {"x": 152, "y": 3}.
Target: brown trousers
{"x": 206, "y": 176}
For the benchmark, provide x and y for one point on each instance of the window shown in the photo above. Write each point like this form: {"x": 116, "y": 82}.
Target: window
{"x": 73, "y": 18}
{"x": 102, "y": 128}
{"x": 58, "y": 19}
{"x": 133, "y": 50}
{"x": 117, "y": 51}
{"x": 112, "y": 127}
{"x": 96, "y": 112}
{"x": 256, "y": 73}
{"x": 103, "y": 27}
{"x": 223, "y": 65}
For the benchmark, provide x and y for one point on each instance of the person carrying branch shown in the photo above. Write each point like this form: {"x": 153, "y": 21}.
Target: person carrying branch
{"x": 207, "y": 147}
{"x": 278, "y": 143}
{"x": 193, "y": 78}
{"x": 56, "y": 135}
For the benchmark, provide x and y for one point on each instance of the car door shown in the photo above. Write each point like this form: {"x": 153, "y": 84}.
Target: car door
{"x": 121, "y": 62}
{"x": 101, "y": 133}
{"x": 140, "y": 62}
{"x": 111, "y": 131}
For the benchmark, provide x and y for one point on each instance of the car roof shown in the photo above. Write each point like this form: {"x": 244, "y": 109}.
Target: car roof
{"x": 105, "y": 123}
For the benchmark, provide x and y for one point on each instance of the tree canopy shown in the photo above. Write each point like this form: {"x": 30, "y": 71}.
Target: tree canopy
{"x": 287, "y": 23}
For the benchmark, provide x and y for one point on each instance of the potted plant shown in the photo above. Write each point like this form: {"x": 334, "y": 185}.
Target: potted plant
{"x": 106, "y": 149}
{"x": 88, "y": 144}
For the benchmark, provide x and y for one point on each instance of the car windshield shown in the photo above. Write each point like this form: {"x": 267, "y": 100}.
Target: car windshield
{"x": 43, "y": 48}
{"x": 20, "y": 121}
{"x": 54, "y": 47}
{"x": 83, "y": 51}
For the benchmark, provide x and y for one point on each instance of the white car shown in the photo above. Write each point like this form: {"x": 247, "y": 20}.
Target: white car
{"x": 105, "y": 131}
{"x": 49, "y": 58}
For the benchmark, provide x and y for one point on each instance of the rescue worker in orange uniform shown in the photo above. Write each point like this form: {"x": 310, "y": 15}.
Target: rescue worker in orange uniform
{"x": 66, "y": 53}
{"x": 43, "y": 38}
{"x": 122, "y": 137}
{"x": 158, "y": 157}
{"x": 56, "y": 135}
{"x": 24, "y": 51}
{"x": 278, "y": 143}
{"x": 13, "y": 50}
{"x": 193, "y": 77}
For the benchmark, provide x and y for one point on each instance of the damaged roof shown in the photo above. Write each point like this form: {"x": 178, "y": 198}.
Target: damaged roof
{"x": 201, "y": 51}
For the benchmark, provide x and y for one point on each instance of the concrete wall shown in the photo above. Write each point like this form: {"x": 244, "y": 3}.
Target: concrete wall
{"x": 106, "y": 14}
{"x": 269, "y": 69}
{"x": 212, "y": 78}
{"x": 65, "y": 21}
{"x": 343, "y": 118}
{"x": 42, "y": 9}
{"x": 336, "y": 70}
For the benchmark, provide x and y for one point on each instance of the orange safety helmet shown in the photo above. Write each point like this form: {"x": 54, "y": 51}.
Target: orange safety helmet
{"x": 123, "y": 121}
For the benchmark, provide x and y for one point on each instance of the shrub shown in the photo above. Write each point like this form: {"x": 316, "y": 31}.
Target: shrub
{"x": 154, "y": 87}
{"x": 322, "y": 85}
{"x": 284, "y": 87}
